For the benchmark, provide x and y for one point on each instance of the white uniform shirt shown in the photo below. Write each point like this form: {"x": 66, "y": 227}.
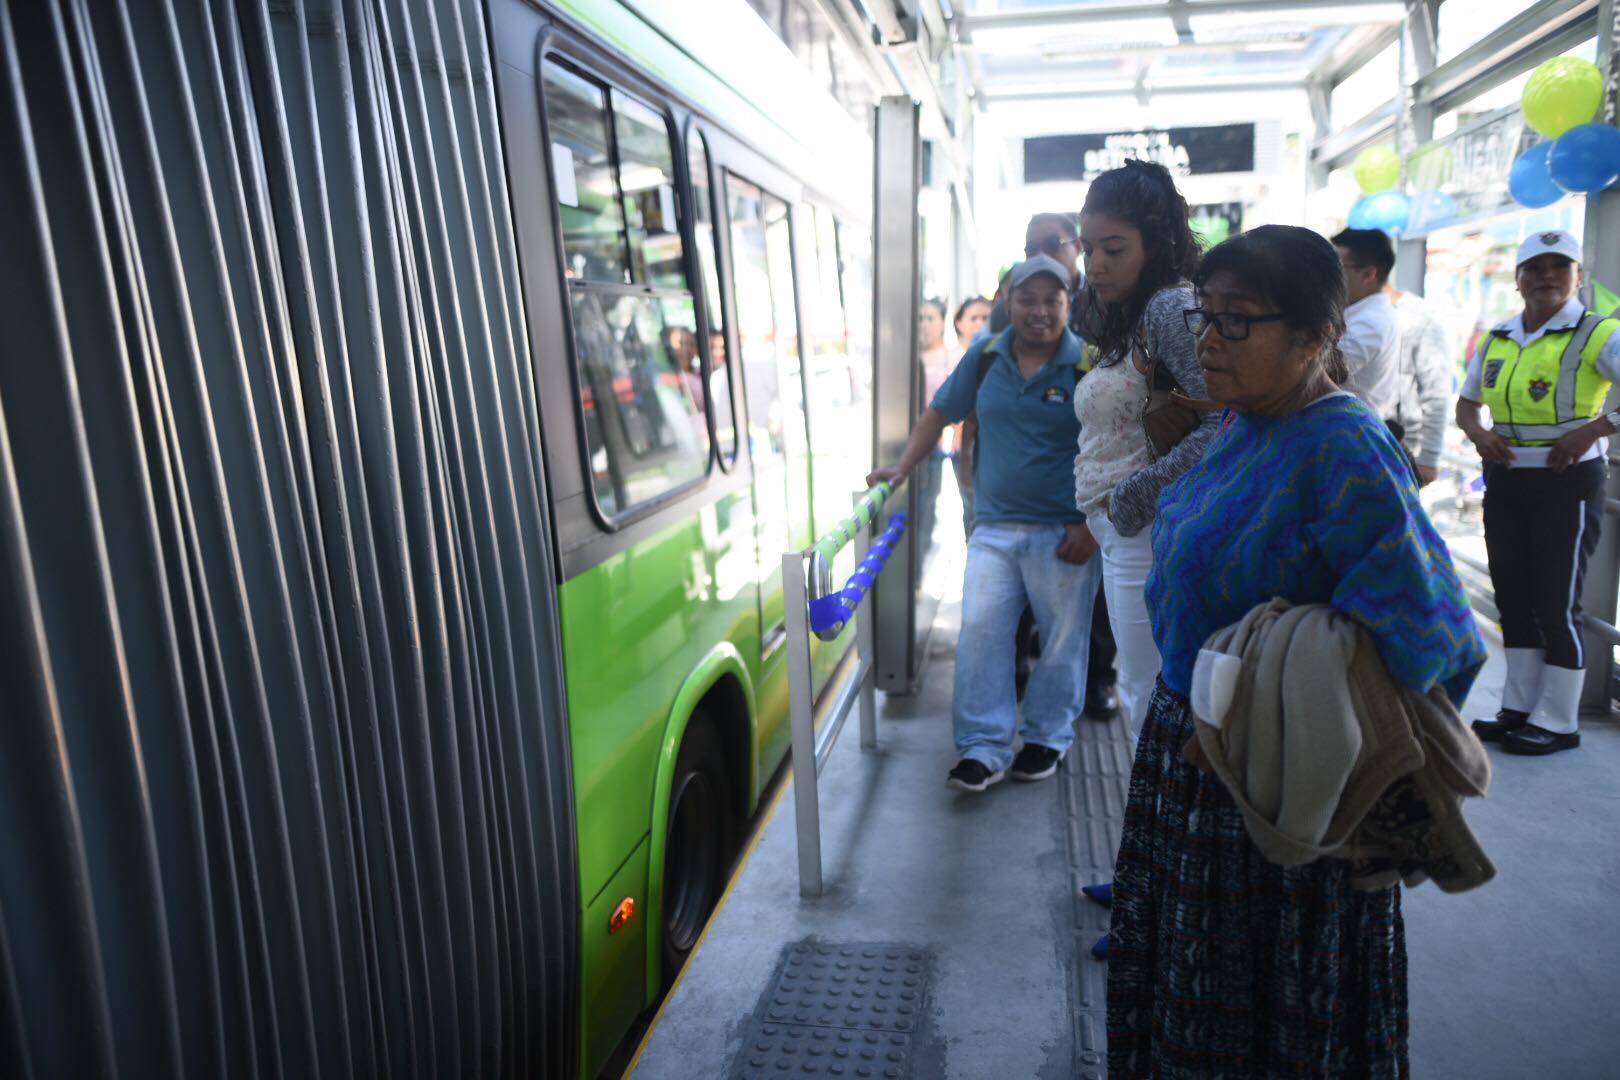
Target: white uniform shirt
{"x": 1568, "y": 317}
{"x": 1371, "y": 344}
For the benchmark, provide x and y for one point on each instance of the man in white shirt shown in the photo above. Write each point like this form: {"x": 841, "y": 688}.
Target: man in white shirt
{"x": 1424, "y": 381}
{"x": 1371, "y": 338}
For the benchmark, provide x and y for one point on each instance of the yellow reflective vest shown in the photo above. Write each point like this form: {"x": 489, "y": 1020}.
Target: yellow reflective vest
{"x": 1542, "y": 392}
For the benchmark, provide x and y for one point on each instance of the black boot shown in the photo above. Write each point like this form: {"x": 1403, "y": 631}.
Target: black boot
{"x": 1506, "y": 720}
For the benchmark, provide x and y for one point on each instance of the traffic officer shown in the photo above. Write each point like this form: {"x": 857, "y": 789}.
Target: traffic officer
{"x": 1544, "y": 374}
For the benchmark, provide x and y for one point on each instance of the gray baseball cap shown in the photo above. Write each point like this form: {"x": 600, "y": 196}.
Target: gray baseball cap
{"x": 1036, "y": 265}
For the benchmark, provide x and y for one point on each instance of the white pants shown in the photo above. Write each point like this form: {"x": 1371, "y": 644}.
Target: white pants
{"x": 1126, "y": 562}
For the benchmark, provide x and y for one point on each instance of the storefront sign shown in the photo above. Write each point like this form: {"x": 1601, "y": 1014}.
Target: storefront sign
{"x": 1464, "y": 175}
{"x": 1185, "y": 151}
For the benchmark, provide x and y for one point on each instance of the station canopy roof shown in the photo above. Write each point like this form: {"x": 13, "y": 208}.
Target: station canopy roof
{"x": 1054, "y": 49}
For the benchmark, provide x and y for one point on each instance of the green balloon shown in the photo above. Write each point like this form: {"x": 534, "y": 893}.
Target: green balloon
{"x": 1377, "y": 168}
{"x": 1562, "y": 93}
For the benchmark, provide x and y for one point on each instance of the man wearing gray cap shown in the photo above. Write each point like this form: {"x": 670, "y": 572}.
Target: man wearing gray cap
{"x": 1544, "y": 374}
{"x": 1027, "y": 545}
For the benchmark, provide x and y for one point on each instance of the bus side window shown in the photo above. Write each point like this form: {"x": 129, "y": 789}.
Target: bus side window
{"x": 634, "y": 317}
{"x": 708, "y": 260}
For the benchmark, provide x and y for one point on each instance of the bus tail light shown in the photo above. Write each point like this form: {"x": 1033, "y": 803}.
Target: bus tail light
{"x": 622, "y": 914}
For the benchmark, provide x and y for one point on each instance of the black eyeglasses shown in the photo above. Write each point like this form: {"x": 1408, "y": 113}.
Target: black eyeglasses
{"x": 1050, "y": 246}
{"x": 1229, "y": 324}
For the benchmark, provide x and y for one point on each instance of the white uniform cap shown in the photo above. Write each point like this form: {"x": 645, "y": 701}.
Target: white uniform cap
{"x": 1554, "y": 242}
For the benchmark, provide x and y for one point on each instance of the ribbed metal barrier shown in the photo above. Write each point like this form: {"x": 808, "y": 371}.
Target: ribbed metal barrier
{"x": 813, "y": 607}
{"x": 283, "y": 776}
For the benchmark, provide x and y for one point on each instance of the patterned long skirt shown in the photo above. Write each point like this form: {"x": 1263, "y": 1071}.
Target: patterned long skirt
{"x": 1224, "y": 964}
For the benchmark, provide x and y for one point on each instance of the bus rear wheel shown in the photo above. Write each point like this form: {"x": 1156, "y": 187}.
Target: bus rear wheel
{"x": 697, "y": 846}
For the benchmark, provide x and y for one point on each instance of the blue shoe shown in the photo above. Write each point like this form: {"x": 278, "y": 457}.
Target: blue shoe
{"x": 1099, "y": 951}
{"x": 1100, "y": 894}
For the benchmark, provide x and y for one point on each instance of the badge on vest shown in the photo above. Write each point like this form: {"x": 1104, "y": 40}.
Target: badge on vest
{"x": 1539, "y": 389}
{"x": 1493, "y": 369}
{"x": 1055, "y": 394}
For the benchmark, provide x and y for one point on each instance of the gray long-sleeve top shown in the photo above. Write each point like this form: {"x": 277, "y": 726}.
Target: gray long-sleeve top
{"x": 1135, "y": 501}
{"x": 1426, "y": 375}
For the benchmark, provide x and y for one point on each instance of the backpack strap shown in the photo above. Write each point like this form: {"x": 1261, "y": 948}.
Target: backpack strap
{"x": 987, "y": 360}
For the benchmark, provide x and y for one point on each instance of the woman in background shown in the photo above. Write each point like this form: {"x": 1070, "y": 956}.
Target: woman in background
{"x": 972, "y": 314}
{"x": 1140, "y": 254}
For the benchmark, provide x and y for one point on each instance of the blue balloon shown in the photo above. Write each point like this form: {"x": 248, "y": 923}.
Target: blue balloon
{"x": 1585, "y": 158}
{"x": 1386, "y": 210}
{"x": 1529, "y": 182}
{"x": 1432, "y": 206}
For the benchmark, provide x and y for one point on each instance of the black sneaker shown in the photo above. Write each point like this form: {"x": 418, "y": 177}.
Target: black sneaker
{"x": 1102, "y": 702}
{"x": 1035, "y": 762}
{"x": 971, "y": 774}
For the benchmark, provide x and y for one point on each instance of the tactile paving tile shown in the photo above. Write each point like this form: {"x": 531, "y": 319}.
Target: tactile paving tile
{"x": 838, "y": 1010}
{"x": 1092, "y": 786}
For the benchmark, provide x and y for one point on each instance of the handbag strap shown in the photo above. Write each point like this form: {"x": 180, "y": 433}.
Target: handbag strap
{"x": 1158, "y": 375}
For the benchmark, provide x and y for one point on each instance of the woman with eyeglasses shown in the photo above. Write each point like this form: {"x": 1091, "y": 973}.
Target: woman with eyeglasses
{"x": 1223, "y": 962}
{"x": 1140, "y": 255}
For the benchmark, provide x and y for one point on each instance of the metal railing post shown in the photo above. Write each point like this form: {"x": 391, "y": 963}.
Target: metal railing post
{"x": 815, "y": 606}
{"x": 866, "y": 641}
{"x": 802, "y": 719}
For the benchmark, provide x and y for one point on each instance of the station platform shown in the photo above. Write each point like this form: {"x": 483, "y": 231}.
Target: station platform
{"x": 952, "y": 940}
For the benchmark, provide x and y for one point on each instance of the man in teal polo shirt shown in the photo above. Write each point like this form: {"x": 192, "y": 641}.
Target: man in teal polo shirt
{"x": 1026, "y": 545}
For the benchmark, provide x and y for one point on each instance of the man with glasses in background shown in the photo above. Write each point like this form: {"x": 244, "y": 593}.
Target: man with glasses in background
{"x": 1372, "y": 337}
{"x": 1057, "y": 237}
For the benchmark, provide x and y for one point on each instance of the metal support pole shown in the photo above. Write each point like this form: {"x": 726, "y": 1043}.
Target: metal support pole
{"x": 1415, "y": 126}
{"x": 802, "y": 719}
{"x": 896, "y": 375}
{"x": 865, "y": 669}
{"x": 1602, "y": 263}
{"x": 1320, "y": 96}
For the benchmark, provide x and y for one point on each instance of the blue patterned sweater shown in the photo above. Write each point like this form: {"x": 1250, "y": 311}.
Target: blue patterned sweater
{"x": 1317, "y": 507}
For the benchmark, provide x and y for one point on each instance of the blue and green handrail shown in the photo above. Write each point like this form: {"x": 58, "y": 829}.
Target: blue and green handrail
{"x": 830, "y": 610}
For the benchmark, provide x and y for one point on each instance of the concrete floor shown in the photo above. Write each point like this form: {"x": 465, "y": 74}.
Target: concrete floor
{"x": 1516, "y": 979}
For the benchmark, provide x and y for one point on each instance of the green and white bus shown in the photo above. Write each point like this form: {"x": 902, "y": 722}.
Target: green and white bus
{"x": 405, "y": 406}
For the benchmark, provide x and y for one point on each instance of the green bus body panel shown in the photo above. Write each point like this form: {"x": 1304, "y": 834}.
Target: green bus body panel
{"x": 647, "y": 635}
{"x": 650, "y": 631}
{"x": 724, "y": 661}
{"x": 634, "y": 629}
{"x": 611, "y": 964}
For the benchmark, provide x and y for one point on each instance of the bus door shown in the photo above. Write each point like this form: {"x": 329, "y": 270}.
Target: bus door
{"x": 768, "y": 340}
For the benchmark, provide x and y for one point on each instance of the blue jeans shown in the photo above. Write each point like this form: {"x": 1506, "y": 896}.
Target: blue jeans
{"x": 1007, "y": 566}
